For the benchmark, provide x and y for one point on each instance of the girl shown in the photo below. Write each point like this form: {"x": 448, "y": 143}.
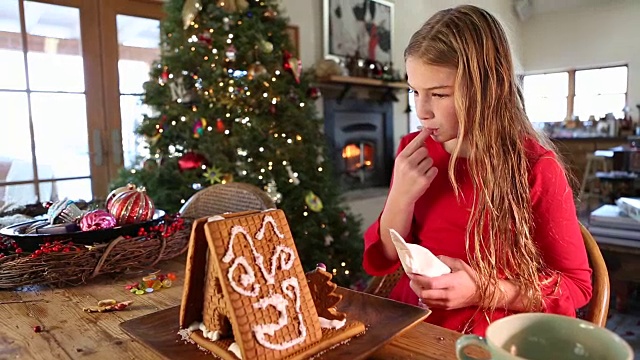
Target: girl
{"x": 478, "y": 186}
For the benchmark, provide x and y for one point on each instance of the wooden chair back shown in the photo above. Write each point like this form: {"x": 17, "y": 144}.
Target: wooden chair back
{"x": 226, "y": 198}
{"x": 598, "y": 307}
{"x": 596, "y": 311}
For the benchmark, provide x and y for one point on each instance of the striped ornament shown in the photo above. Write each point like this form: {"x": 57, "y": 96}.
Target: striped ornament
{"x": 132, "y": 206}
{"x": 112, "y": 195}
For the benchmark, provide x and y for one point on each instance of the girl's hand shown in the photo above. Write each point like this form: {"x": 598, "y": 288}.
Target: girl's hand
{"x": 413, "y": 171}
{"x": 455, "y": 290}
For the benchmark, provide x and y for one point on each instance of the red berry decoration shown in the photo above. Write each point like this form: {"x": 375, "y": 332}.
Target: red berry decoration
{"x": 37, "y": 329}
{"x": 132, "y": 206}
{"x": 112, "y": 195}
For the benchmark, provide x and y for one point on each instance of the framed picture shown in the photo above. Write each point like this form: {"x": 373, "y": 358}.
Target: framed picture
{"x": 364, "y": 27}
{"x": 294, "y": 35}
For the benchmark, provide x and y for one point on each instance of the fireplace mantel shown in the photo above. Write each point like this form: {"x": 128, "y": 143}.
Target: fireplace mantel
{"x": 338, "y": 87}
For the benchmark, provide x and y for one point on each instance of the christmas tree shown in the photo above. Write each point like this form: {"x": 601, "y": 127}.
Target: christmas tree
{"x": 231, "y": 103}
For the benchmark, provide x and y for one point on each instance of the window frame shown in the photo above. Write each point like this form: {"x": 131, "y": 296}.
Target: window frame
{"x": 572, "y": 83}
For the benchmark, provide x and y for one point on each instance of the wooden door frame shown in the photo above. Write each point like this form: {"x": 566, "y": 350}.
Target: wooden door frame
{"x": 90, "y": 51}
{"x": 151, "y": 9}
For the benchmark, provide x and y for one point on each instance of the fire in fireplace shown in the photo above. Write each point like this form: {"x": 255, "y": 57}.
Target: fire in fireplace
{"x": 360, "y": 136}
{"x": 358, "y": 159}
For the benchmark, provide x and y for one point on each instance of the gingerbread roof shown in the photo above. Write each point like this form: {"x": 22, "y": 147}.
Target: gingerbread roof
{"x": 245, "y": 268}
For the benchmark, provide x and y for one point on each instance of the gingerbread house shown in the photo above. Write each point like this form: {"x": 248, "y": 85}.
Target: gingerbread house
{"x": 246, "y": 294}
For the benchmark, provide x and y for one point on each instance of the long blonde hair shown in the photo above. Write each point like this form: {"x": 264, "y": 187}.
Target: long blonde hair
{"x": 492, "y": 121}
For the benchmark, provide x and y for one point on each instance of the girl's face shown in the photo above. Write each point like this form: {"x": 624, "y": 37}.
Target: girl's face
{"x": 432, "y": 88}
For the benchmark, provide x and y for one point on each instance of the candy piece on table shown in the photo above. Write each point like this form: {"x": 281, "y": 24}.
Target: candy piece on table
{"x": 97, "y": 220}
{"x": 157, "y": 285}
{"x": 107, "y": 302}
{"x": 64, "y": 211}
{"x": 132, "y": 206}
{"x": 112, "y": 195}
{"x": 115, "y": 306}
{"x": 150, "y": 277}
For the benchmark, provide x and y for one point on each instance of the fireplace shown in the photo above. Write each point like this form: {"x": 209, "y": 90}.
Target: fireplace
{"x": 360, "y": 136}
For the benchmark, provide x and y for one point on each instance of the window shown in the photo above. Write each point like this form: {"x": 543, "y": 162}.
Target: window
{"x": 600, "y": 91}
{"x": 44, "y": 147}
{"x": 584, "y": 93}
{"x": 545, "y": 96}
{"x": 67, "y": 121}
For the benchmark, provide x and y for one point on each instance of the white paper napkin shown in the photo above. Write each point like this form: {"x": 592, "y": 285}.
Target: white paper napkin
{"x": 417, "y": 259}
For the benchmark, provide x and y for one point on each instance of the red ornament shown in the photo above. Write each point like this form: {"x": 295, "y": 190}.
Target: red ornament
{"x": 112, "y": 195}
{"x": 313, "y": 93}
{"x": 165, "y": 75}
{"x": 191, "y": 161}
{"x": 132, "y": 206}
{"x": 220, "y": 126}
{"x": 292, "y": 64}
{"x": 205, "y": 38}
{"x": 286, "y": 55}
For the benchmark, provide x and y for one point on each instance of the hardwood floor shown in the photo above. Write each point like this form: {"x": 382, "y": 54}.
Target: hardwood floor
{"x": 627, "y": 324}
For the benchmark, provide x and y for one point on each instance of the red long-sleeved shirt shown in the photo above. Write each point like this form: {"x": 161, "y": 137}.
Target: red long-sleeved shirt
{"x": 440, "y": 221}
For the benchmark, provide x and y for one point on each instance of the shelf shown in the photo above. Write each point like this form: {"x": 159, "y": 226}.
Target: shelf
{"x": 352, "y": 80}
{"x": 347, "y": 82}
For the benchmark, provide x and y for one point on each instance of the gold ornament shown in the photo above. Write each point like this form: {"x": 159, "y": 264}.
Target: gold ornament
{"x": 270, "y": 14}
{"x": 190, "y": 10}
{"x": 260, "y": 69}
{"x": 266, "y": 46}
{"x": 326, "y": 68}
{"x": 256, "y": 69}
{"x": 295, "y": 66}
{"x": 231, "y": 6}
{"x": 227, "y": 178}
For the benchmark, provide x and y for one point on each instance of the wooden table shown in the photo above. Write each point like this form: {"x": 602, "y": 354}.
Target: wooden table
{"x": 70, "y": 333}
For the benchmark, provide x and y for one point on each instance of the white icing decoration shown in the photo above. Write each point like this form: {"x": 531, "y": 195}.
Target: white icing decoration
{"x": 268, "y": 219}
{"x": 285, "y": 263}
{"x": 282, "y": 252}
{"x": 235, "y": 349}
{"x": 215, "y": 218}
{"x": 211, "y": 335}
{"x": 185, "y": 335}
{"x": 194, "y": 326}
{"x": 331, "y": 324}
{"x": 280, "y": 303}
{"x": 248, "y": 278}
{"x": 290, "y": 287}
